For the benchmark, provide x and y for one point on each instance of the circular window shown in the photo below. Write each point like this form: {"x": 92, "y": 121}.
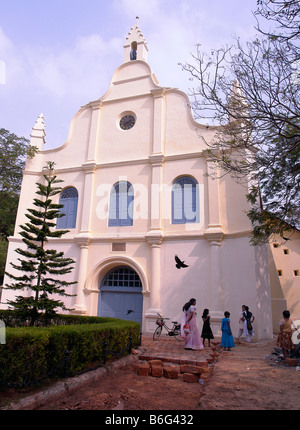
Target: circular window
{"x": 127, "y": 122}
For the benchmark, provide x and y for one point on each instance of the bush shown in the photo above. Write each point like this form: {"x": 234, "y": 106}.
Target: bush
{"x": 33, "y": 353}
{"x": 11, "y": 319}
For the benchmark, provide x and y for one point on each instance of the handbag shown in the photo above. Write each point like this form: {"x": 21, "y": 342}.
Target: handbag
{"x": 186, "y": 328}
{"x": 249, "y": 325}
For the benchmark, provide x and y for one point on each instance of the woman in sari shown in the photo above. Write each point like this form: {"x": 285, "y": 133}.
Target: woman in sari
{"x": 191, "y": 336}
{"x": 284, "y": 339}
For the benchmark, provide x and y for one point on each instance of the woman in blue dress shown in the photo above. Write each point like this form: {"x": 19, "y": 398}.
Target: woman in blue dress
{"x": 227, "y": 339}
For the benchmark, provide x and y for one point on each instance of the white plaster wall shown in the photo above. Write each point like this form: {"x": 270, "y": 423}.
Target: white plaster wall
{"x": 246, "y": 282}
{"x": 178, "y": 286}
{"x": 286, "y": 286}
{"x": 183, "y": 134}
{"x": 118, "y": 145}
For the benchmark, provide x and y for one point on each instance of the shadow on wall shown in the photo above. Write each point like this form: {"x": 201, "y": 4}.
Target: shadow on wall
{"x": 263, "y": 292}
{"x": 180, "y": 285}
{"x": 278, "y": 300}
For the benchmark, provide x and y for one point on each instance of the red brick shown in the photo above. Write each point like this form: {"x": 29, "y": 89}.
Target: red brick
{"x": 155, "y": 362}
{"x": 171, "y": 372}
{"x": 190, "y": 377}
{"x": 157, "y": 371}
{"x": 202, "y": 363}
{"x": 190, "y": 368}
{"x": 142, "y": 369}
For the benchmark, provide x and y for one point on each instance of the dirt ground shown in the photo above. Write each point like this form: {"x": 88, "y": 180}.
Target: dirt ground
{"x": 245, "y": 378}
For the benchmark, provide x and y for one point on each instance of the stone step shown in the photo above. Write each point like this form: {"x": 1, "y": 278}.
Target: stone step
{"x": 174, "y": 368}
{"x": 174, "y": 360}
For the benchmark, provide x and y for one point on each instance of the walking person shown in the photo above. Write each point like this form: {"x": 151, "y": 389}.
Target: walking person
{"x": 206, "y": 329}
{"x": 227, "y": 339}
{"x": 284, "y": 339}
{"x": 191, "y": 336}
{"x": 241, "y": 324}
{"x": 248, "y": 323}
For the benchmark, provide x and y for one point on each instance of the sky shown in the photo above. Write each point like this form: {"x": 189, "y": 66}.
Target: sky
{"x": 58, "y": 55}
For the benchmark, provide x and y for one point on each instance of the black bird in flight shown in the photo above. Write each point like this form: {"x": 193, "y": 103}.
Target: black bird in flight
{"x": 129, "y": 311}
{"x": 179, "y": 263}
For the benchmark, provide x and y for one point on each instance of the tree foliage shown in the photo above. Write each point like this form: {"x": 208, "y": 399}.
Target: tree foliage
{"x": 13, "y": 152}
{"x": 42, "y": 269}
{"x": 252, "y": 91}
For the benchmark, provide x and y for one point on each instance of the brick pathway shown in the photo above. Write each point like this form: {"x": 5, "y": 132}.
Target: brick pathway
{"x": 169, "y": 349}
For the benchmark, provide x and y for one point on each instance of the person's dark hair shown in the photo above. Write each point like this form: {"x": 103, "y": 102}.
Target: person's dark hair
{"x": 205, "y": 313}
{"x": 227, "y": 314}
{"x": 188, "y": 304}
{"x": 286, "y": 314}
{"x": 248, "y": 314}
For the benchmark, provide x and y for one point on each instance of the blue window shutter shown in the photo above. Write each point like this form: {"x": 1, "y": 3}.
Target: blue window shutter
{"x": 121, "y": 205}
{"x": 128, "y": 215}
{"x": 185, "y": 201}
{"x": 113, "y": 221}
{"x": 68, "y": 198}
{"x": 177, "y": 203}
{"x": 189, "y": 193}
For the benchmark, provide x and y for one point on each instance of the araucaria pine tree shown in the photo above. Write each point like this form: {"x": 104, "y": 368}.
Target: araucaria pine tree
{"x": 42, "y": 269}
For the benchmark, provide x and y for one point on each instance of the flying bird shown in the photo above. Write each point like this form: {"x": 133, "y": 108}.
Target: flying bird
{"x": 179, "y": 263}
{"x": 129, "y": 311}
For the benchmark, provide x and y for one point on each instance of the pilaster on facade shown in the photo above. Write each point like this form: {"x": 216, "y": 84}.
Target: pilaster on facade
{"x": 83, "y": 241}
{"x": 158, "y": 92}
{"x": 89, "y": 166}
{"x": 158, "y": 120}
{"x": 157, "y": 159}
{"x": 94, "y": 129}
{"x": 214, "y": 235}
{"x": 154, "y": 237}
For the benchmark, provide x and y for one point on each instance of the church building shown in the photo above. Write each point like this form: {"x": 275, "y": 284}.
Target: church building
{"x": 149, "y": 227}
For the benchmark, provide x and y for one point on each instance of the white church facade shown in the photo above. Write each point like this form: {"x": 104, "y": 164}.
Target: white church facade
{"x": 137, "y": 191}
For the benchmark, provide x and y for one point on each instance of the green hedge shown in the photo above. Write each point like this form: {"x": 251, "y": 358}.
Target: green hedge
{"x": 32, "y": 353}
{"x": 11, "y": 320}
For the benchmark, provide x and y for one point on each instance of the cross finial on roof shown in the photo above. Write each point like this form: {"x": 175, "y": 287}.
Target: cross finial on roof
{"x": 137, "y": 21}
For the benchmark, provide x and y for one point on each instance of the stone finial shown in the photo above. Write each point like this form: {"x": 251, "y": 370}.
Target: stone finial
{"x": 38, "y": 134}
{"x": 237, "y": 103}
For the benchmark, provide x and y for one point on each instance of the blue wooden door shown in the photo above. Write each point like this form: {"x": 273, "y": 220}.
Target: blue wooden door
{"x": 121, "y": 295}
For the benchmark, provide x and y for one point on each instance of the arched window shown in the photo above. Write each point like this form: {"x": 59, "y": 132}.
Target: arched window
{"x": 121, "y": 205}
{"x": 68, "y": 198}
{"x": 185, "y": 201}
{"x": 133, "y": 51}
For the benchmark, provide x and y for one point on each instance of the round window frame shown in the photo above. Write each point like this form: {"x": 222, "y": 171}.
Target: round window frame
{"x": 124, "y": 114}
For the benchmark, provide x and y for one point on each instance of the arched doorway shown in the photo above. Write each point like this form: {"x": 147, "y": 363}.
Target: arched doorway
{"x": 121, "y": 295}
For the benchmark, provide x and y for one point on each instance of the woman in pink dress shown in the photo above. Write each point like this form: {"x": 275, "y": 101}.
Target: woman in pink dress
{"x": 192, "y": 338}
